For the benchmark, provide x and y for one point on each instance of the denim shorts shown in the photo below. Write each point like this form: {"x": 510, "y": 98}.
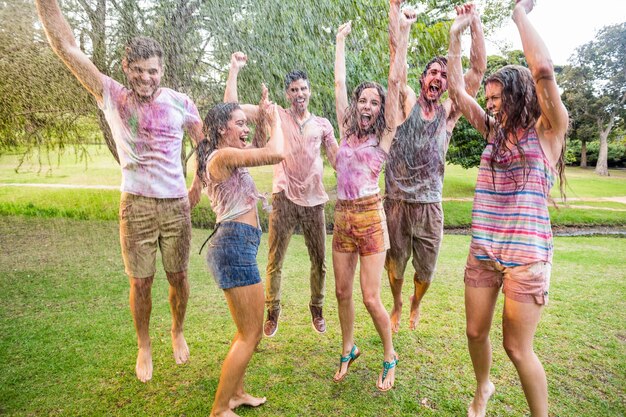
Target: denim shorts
{"x": 231, "y": 256}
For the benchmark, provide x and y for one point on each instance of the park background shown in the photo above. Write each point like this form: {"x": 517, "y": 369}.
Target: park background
{"x": 68, "y": 345}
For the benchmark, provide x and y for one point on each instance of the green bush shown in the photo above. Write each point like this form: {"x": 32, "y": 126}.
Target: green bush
{"x": 616, "y": 156}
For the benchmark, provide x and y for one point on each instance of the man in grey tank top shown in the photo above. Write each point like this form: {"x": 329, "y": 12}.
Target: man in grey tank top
{"x": 415, "y": 169}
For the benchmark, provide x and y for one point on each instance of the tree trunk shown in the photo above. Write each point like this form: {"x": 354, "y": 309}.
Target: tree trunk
{"x": 602, "y": 165}
{"x": 583, "y": 154}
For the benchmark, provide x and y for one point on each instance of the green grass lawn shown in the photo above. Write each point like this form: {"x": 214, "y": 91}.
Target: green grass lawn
{"x": 97, "y": 167}
{"x": 68, "y": 346}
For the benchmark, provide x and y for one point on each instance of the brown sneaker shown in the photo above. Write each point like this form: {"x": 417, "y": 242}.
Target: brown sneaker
{"x": 319, "y": 324}
{"x": 271, "y": 324}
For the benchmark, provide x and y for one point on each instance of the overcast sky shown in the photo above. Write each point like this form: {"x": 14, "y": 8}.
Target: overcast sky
{"x": 563, "y": 25}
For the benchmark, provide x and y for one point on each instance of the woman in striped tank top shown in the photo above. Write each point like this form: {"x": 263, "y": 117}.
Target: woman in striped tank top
{"x": 525, "y": 126}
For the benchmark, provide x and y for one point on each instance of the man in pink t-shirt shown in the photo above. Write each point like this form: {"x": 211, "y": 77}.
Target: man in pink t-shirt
{"x": 297, "y": 189}
{"x": 147, "y": 123}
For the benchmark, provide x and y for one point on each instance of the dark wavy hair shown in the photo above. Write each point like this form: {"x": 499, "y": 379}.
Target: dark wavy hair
{"x": 441, "y": 60}
{"x": 142, "y": 47}
{"x": 296, "y": 75}
{"x": 521, "y": 107}
{"x": 216, "y": 118}
{"x": 351, "y": 118}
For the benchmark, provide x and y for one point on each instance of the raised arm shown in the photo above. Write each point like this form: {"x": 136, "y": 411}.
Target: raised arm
{"x": 461, "y": 99}
{"x": 227, "y": 159}
{"x": 238, "y": 60}
{"x": 64, "y": 45}
{"x": 478, "y": 62}
{"x": 392, "y": 101}
{"x": 407, "y": 95}
{"x": 554, "y": 119}
{"x": 341, "y": 90}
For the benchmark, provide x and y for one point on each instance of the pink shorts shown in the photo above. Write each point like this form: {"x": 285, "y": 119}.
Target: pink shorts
{"x": 525, "y": 283}
{"x": 360, "y": 226}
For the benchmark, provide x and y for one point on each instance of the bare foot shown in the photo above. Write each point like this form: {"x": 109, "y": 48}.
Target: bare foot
{"x": 143, "y": 368}
{"x": 414, "y": 319}
{"x": 394, "y": 316}
{"x": 246, "y": 399}
{"x": 181, "y": 351}
{"x": 478, "y": 406}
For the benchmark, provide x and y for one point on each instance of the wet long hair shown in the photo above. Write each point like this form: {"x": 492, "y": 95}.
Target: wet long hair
{"x": 216, "y": 118}
{"x": 351, "y": 118}
{"x": 520, "y": 104}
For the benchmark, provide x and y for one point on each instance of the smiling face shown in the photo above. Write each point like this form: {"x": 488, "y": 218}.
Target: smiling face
{"x": 368, "y": 108}
{"x": 434, "y": 82}
{"x": 236, "y": 131}
{"x": 144, "y": 76}
{"x": 298, "y": 94}
{"x": 493, "y": 95}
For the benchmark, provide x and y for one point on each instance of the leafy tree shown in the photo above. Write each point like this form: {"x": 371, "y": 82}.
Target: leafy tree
{"x": 595, "y": 88}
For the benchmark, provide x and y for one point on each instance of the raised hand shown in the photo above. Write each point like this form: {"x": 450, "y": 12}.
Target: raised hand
{"x": 464, "y": 16}
{"x": 407, "y": 17}
{"x": 344, "y": 30}
{"x": 527, "y": 5}
{"x": 238, "y": 60}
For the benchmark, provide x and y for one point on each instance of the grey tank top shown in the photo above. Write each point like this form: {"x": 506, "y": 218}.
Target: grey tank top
{"x": 417, "y": 159}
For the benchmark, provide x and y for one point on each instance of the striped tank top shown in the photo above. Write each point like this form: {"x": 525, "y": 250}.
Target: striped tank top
{"x": 510, "y": 218}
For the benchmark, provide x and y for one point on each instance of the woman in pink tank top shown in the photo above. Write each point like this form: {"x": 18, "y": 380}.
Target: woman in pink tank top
{"x": 367, "y": 127}
{"x": 231, "y": 257}
{"x": 525, "y": 126}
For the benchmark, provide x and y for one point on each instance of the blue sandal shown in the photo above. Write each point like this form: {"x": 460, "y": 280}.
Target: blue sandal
{"x": 350, "y": 357}
{"x": 386, "y": 367}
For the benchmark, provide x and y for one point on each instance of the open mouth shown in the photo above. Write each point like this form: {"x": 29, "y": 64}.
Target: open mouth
{"x": 434, "y": 89}
{"x": 365, "y": 119}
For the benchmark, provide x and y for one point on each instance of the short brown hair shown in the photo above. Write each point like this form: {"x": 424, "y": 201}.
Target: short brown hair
{"x": 142, "y": 47}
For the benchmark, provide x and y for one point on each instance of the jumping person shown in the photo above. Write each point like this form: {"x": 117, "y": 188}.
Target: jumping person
{"x": 231, "y": 256}
{"x": 415, "y": 170}
{"x": 147, "y": 122}
{"x": 298, "y": 195}
{"x": 525, "y": 126}
{"x": 367, "y": 126}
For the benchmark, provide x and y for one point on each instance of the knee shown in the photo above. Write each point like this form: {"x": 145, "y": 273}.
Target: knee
{"x": 141, "y": 285}
{"x": 177, "y": 279}
{"x": 476, "y": 334}
{"x": 515, "y": 351}
{"x": 372, "y": 302}
{"x": 343, "y": 294}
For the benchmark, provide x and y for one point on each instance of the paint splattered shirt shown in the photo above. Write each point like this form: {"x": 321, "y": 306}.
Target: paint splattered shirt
{"x": 300, "y": 174}
{"x": 233, "y": 197}
{"x": 417, "y": 159}
{"x": 148, "y": 137}
{"x": 510, "y": 218}
{"x": 359, "y": 163}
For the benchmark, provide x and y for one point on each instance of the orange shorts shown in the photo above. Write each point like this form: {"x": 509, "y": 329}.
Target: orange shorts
{"x": 360, "y": 226}
{"x": 525, "y": 283}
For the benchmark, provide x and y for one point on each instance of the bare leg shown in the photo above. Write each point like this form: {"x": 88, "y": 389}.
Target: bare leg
{"x": 420, "y": 289}
{"x": 519, "y": 325}
{"x": 178, "y": 296}
{"x": 140, "y": 307}
{"x": 371, "y": 275}
{"x": 344, "y": 265}
{"x": 395, "y": 283}
{"x": 479, "y": 307}
{"x": 246, "y": 308}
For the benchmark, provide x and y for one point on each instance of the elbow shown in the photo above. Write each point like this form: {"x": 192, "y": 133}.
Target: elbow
{"x": 543, "y": 70}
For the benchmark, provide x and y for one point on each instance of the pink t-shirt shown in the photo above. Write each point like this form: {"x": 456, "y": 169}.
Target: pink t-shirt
{"x": 300, "y": 174}
{"x": 358, "y": 166}
{"x": 148, "y": 137}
